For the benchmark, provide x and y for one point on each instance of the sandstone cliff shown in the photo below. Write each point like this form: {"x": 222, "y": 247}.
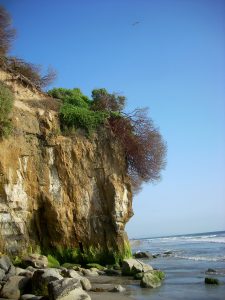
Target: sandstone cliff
{"x": 57, "y": 191}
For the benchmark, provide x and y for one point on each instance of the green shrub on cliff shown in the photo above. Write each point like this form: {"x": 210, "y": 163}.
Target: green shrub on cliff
{"x": 78, "y": 117}
{"x": 6, "y": 106}
{"x": 71, "y": 96}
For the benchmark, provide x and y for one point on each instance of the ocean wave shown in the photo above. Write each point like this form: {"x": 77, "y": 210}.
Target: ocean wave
{"x": 201, "y": 258}
{"x": 213, "y": 238}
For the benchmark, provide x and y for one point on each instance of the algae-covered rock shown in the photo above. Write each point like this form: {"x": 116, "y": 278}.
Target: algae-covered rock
{"x": 209, "y": 280}
{"x": 150, "y": 280}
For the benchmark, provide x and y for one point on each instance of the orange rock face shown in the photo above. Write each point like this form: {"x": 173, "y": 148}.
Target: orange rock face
{"x": 57, "y": 190}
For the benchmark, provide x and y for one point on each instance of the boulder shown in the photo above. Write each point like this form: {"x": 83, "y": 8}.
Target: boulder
{"x": 85, "y": 283}
{"x": 117, "y": 289}
{"x": 36, "y": 261}
{"x": 132, "y": 266}
{"x": 14, "y": 287}
{"x": 5, "y": 263}
{"x": 11, "y": 272}
{"x": 67, "y": 289}
{"x": 141, "y": 254}
{"x": 26, "y": 273}
{"x": 70, "y": 273}
{"x": 150, "y": 280}
{"x": 90, "y": 273}
{"x": 42, "y": 278}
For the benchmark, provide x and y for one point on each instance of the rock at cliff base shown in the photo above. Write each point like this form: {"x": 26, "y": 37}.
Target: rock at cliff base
{"x": 36, "y": 261}
{"x": 67, "y": 289}
{"x": 2, "y": 274}
{"x": 70, "y": 273}
{"x": 14, "y": 287}
{"x": 132, "y": 266}
{"x": 90, "y": 273}
{"x": 150, "y": 280}
{"x": 85, "y": 283}
{"x": 42, "y": 278}
{"x": 5, "y": 263}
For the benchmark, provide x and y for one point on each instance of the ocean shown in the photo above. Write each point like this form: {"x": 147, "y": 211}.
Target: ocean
{"x": 185, "y": 260}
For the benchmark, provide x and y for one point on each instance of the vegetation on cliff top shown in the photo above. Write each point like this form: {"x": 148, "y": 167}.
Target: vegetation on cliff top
{"x": 141, "y": 141}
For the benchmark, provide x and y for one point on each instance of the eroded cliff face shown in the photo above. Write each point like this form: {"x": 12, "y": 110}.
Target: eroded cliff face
{"x": 59, "y": 191}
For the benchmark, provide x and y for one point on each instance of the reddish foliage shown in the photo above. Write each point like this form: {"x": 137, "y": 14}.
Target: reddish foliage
{"x": 143, "y": 145}
{"x": 7, "y": 33}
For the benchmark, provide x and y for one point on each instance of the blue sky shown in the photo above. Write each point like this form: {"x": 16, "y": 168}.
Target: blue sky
{"x": 173, "y": 62}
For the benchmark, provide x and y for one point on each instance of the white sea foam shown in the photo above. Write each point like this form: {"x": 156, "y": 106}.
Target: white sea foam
{"x": 212, "y": 238}
{"x": 201, "y": 258}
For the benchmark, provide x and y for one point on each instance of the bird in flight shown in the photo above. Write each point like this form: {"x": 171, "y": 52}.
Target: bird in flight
{"x": 135, "y": 23}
